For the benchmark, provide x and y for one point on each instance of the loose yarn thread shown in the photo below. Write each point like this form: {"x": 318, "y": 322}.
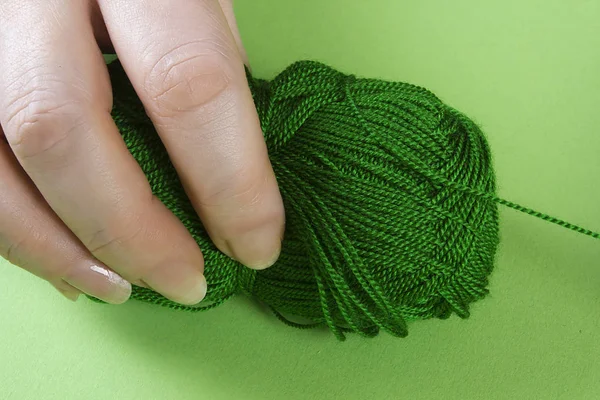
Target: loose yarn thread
{"x": 390, "y": 199}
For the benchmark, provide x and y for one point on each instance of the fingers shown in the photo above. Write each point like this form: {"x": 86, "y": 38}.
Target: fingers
{"x": 105, "y": 44}
{"x": 227, "y": 7}
{"x": 34, "y": 238}
{"x": 99, "y": 29}
{"x": 191, "y": 78}
{"x": 55, "y": 112}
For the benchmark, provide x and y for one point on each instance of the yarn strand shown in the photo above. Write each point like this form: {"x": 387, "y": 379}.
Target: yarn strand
{"x": 548, "y": 218}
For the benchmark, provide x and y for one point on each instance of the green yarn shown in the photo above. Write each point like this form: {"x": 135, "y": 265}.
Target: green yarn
{"x": 389, "y": 196}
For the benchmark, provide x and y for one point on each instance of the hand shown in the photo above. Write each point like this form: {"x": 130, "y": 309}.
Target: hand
{"x": 75, "y": 208}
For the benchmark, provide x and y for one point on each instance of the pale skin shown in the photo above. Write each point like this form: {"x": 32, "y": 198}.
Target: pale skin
{"x": 75, "y": 208}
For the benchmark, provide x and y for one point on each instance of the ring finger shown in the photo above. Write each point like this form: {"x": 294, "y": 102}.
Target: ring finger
{"x": 34, "y": 238}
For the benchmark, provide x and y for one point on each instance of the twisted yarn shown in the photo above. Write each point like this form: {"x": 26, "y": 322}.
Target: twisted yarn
{"x": 389, "y": 196}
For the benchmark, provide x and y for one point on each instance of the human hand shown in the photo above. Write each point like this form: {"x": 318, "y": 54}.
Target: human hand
{"x": 75, "y": 207}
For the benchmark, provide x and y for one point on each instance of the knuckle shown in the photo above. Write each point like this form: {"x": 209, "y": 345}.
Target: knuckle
{"x": 188, "y": 77}
{"x": 243, "y": 204}
{"x": 40, "y": 121}
{"x": 239, "y": 187}
{"x": 21, "y": 251}
{"x": 115, "y": 237}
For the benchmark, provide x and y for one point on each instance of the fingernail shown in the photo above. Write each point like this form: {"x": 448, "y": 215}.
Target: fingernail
{"x": 99, "y": 281}
{"x": 181, "y": 283}
{"x": 195, "y": 292}
{"x": 72, "y": 295}
{"x": 257, "y": 249}
{"x": 120, "y": 288}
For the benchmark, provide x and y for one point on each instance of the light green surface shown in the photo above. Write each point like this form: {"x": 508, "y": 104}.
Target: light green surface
{"x": 529, "y": 73}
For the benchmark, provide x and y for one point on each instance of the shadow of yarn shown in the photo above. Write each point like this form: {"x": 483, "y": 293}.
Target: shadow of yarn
{"x": 248, "y": 354}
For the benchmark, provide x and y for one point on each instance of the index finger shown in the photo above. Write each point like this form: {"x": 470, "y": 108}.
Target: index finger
{"x": 181, "y": 58}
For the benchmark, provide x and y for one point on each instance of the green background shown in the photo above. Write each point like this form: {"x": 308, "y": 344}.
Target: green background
{"x": 528, "y": 72}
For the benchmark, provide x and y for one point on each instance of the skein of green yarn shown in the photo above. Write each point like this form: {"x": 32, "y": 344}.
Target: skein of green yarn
{"x": 375, "y": 236}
